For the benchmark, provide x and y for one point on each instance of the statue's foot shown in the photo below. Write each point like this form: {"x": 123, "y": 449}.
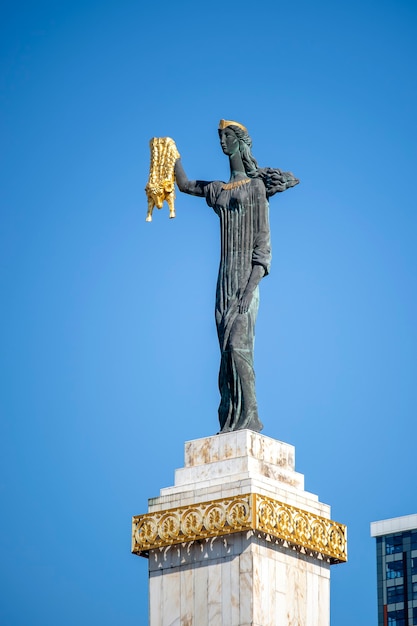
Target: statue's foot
{"x": 149, "y": 218}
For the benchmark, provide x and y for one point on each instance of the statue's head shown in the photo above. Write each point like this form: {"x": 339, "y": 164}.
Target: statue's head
{"x": 244, "y": 142}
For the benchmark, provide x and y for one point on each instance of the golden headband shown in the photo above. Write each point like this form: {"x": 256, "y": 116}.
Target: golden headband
{"x": 224, "y": 123}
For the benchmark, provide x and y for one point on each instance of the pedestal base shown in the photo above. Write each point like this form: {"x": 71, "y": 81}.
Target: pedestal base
{"x": 237, "y": 541}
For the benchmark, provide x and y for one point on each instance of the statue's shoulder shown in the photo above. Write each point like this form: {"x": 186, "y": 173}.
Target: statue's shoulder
{"x": 212, "y": 190}
{"x": 258, "y": 185}
{"x": 214, "y": 187}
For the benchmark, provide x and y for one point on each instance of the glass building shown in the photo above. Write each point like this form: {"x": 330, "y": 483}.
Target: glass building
{"x": 396, "y": 560}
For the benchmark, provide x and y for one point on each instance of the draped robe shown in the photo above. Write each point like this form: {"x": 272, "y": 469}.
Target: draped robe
{"x": 245, "y": 242}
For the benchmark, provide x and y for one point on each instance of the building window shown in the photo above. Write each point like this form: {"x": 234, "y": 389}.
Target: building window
{"x": 396, "y": 618}
{"x": 393, "y": 544}
{"x": 414, "y": 540}
{"x": 414, "y": 591}
{"x": 395, "y": 594}
{"x": 395, "y": 569}
{"x": 414, "y": 565}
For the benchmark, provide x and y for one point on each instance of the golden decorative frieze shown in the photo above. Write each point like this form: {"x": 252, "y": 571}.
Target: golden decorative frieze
{"x": 295, "y": 527}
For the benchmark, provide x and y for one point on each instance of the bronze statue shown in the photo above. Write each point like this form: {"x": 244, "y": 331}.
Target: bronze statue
{"x": 242, "y": 206}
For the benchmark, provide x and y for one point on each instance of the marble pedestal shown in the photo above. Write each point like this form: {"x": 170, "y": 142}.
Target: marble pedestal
{"x": 237, "y": 541}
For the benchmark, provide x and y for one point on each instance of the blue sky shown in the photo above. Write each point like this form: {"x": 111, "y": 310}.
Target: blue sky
{"x": 109, "y": 353}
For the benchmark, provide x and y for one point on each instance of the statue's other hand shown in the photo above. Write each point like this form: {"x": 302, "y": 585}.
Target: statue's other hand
{"x": 244, "y": 303}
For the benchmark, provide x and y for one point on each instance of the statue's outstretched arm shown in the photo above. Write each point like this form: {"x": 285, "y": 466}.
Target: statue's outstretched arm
{"x": 193, "y": 187}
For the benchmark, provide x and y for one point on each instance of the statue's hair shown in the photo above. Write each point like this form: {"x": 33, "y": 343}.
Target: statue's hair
{"x": 275, "y": 180}
{"x": 245, "y": 145}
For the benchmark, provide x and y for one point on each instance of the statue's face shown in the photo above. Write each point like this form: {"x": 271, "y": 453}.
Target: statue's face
{"x": 228, "y": 141}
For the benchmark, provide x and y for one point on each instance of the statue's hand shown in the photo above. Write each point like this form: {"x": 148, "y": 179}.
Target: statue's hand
{"x": 245, "y": 302}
